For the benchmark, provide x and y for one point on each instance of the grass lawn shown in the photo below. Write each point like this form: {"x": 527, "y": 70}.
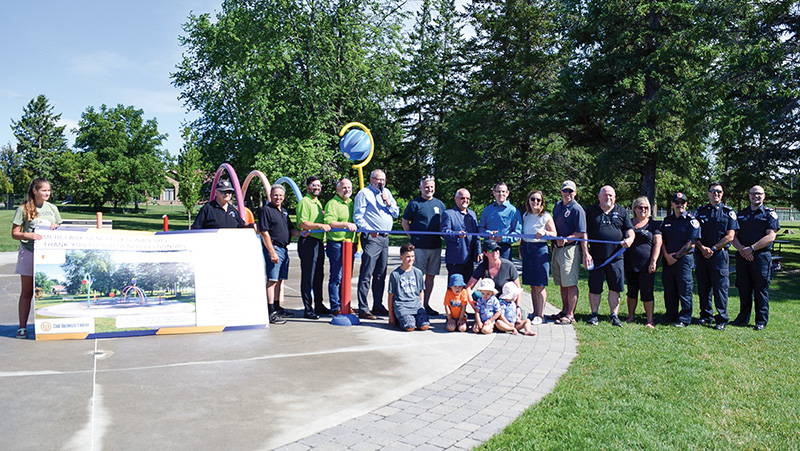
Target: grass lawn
{"x": 676, "y": 389}
{"x": 148, "y": 219}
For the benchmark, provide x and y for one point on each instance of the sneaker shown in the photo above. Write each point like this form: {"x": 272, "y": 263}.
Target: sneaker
{"x": 22, "y": 333}
{"x": 284, "y": 313}
{"x": 705, "y": 321}
{"x": 310, "y": 315}
{"x": 615, "y": 321}
{"x": 536, "y": 320}
{"x": 274, "y": 318}
{"x": 678, "y": 324}
{"x": 429, "y": 311}
{"x": 593, "y": 320}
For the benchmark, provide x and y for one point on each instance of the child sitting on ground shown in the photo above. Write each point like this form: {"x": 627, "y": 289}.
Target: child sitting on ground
{"x": 456, "y": 300}
{"x": 510, "y": 319}
{"x": 406, "y": 286}
{"x": 487, "y": 308}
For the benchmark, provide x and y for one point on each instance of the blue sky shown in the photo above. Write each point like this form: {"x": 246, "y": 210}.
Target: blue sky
{"x": 92, "y": 52}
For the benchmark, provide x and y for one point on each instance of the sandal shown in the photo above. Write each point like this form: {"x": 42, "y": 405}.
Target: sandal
{"x": 555, "y": 317}
{"x": 566, "y": 320}
{"x": 22, "y": 333}
{"x": 650, "y": 326}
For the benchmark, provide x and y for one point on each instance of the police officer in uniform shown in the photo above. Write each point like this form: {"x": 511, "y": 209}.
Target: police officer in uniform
{"x": 718, "y": 226}
{"x": 758, "y": 229}
{"x": 679, "y": 231}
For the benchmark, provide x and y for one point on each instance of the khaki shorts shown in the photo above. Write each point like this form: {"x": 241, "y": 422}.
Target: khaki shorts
{"x": 429, "y": 261}
{"x": 565, "y": 265}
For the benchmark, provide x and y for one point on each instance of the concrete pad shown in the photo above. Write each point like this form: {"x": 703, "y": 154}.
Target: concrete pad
{"x": 251, "y": 389}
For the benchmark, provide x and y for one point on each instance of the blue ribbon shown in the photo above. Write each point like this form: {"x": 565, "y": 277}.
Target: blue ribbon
{"x": 487, "y": 235}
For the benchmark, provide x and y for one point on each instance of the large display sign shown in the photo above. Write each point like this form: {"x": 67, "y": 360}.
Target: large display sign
{"x": 98, "y": 283}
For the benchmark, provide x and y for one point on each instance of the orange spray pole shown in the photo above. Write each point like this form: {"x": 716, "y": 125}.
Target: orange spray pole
{"x": 347, "y": 275}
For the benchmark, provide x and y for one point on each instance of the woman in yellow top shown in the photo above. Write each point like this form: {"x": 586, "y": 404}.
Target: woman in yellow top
{"x": 35, "y": 212}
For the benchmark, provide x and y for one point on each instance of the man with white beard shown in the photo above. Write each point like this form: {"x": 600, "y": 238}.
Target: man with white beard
{"x": 607, "y": 221}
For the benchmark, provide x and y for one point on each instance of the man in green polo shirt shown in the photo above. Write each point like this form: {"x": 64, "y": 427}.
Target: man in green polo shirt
{"x": 310, "y": 216}
{"x": 338, "y": 215}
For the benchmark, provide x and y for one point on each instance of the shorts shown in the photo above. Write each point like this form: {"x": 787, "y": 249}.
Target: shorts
{"x": 428, "y": 260}
{"x": 640, "y": 281}
{"x": 406, "y": 322}
{"x": 566, "y": 265}
{"x": 613, "y": 273}
{"x": 535, "y": 264}
{"x": 24, "y": 262}
{"x": 280, "y": 270}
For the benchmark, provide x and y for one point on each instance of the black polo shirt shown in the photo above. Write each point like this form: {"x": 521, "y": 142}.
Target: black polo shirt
{"x": 610, "y": 226}
{"x": 213, "y": 216}
{"x": 277, "y": 223}
{"x": 753, "y": 225}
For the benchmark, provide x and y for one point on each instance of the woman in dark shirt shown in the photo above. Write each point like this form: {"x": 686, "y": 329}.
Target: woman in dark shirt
{"x": 641, "y": 258}
{"x": 496, "y": 268}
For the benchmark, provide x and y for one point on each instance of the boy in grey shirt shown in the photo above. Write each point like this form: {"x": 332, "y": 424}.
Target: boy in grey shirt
{"x": 406, "y": 286}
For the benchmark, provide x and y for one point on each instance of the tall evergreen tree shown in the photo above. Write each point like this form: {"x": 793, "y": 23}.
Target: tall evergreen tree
{"x": 39, "y": 139}
{"x": 503, "y": 129}
{"x": 633, "y": 95}
{"x": 757, "y": 84}
{"x": 430, "y": 86}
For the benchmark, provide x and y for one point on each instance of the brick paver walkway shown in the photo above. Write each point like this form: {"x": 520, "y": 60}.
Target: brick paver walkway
{"x": 468, "y": 406}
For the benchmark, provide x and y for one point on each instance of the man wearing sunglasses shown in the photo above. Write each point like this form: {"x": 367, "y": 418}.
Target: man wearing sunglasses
{"x": 680, "y": 231}
{"x": 219, "y": 213}
{"x": 718, "y": 225}
{"x": 759, "y": 227}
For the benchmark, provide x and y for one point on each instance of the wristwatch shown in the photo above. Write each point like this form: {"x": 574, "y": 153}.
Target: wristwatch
{"x": 752, "y": 249}
{"x": 713, "y": 248}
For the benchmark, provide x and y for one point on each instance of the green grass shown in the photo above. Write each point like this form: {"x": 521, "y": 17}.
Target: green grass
{"x": 149, "y": 218}
{"x": 675, "y": 389}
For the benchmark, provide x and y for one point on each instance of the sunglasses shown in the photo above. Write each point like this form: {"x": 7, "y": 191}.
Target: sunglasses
{"x": 642, "y": 207}
{"x": 568, "y": 191}
{"x": 535, "y": 199}
{"x": 715, "y": 191}
{"x": 679, "y": 202}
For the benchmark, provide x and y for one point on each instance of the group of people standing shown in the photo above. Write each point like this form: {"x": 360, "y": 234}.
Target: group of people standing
{"x": 611, "y": 245}
{"x": 615, "y": 247}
